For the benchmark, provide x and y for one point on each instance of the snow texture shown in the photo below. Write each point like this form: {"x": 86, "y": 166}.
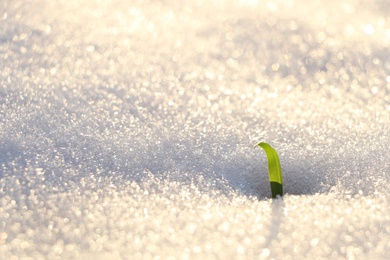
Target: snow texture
{"x": 127, "y": 129}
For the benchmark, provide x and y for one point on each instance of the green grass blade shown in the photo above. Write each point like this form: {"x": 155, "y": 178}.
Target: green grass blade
{"x": 274, "y": 170}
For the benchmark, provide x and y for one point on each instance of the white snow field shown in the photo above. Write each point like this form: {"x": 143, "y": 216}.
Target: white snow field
{"x": 127, "y": 129}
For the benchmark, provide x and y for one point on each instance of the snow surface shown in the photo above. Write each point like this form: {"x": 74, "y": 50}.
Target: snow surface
{"x": 127, "y": 129}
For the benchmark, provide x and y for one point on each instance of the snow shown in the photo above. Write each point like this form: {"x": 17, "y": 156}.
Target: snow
{"x": 127, "y": 129}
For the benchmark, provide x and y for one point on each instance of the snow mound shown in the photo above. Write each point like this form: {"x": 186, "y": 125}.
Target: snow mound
{"x": 127, "y": 129}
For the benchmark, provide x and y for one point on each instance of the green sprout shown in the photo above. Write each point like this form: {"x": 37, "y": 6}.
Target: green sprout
{"x": 274, "y": 170}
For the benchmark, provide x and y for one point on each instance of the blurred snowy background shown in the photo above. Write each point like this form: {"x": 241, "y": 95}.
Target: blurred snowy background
{"x": 127, "y": 129}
